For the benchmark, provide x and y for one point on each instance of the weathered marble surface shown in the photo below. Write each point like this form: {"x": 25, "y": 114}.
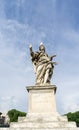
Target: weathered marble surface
{"x": 43, "y": 65}
{"x": 42, "y": 99}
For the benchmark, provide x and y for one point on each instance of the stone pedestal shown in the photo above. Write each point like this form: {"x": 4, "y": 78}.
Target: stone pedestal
{"x": 42, "y": 99}
{"x": 42, "y": 113}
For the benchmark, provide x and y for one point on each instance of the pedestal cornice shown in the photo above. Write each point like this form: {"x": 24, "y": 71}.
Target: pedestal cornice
{"x": 41, "y": 87}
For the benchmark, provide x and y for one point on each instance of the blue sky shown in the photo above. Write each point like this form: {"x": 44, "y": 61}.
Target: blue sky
{"x": 56, "y": 24}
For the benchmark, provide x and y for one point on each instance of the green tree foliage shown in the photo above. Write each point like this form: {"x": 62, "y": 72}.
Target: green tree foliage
{"x": 73, "y": 117}
{"x": 14, "y": 114}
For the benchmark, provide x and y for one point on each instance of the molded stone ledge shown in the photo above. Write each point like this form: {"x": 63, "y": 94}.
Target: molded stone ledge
{"x": 45, "y": 118}
{"x": 41, "y": 87}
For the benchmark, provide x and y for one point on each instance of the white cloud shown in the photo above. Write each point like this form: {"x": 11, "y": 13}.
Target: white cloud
{"x": 67, "y": 96}
{"x": 70, "y": 102}
{"x": 66, "y": 74}
{"x": 15, "y": 64}
{"x": 6, "y": 103}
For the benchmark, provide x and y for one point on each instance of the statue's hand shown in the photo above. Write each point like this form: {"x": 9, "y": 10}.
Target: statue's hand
{"x": 30, "y": 46}
{"x": 55, "y": 63}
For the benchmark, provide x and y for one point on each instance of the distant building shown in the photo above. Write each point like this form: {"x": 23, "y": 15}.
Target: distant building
{"x": 4, "y": 121}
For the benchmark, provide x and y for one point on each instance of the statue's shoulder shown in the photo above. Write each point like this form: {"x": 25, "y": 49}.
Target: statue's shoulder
{"x": 37, "y": 53}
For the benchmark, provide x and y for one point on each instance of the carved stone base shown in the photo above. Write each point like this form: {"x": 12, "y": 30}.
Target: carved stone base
{"x": 42, "y": 99}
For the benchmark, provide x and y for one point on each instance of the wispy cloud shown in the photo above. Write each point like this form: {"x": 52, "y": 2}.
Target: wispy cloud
{"x": 70, "y": 102}
{"x": 6, "y": 103}
{"x": 15, "y": 66}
